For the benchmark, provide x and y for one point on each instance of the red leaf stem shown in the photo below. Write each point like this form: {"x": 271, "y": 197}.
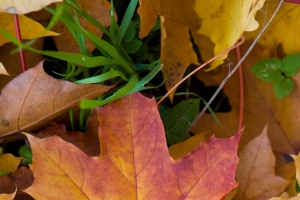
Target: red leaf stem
{"x": 18, "y": 33}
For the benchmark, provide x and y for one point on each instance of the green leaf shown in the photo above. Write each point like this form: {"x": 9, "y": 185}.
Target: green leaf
{"x": 130, "y": 33}
{"x": 177, "y": 120}
{"x": 26, "y": 152}
{"x": 268, "y": 69}
{"x": 133, "y": 46}
{"x": 291, "y": 64}
{"x": 283, "y": 87}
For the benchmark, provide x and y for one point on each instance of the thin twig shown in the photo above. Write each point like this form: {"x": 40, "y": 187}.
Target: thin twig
{"x": 18, "y": 33}
{"x": 241, "y": 41}
{"x": 234, "y": 69}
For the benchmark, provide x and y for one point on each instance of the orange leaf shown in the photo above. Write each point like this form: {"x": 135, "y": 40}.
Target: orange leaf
{"x": 134, "y": 162}
{"x": 87, "y": 142}
{"x": 177, "y": 19}
{"x": 35, "y": 98}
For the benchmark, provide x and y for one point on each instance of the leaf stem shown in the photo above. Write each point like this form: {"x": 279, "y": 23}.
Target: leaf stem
{"x": 234, "y": 69}
{"x": 241, "y": 78}
{"x": 18, "y": 33}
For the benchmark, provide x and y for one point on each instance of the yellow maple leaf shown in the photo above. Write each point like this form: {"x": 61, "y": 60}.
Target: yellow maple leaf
{"x": 224, "y": 22}
{"x": 284, "y": 29}
{"x": 177, "y": 20}
{"x": 29, "y": 28}
{"x": 24, "y": 6}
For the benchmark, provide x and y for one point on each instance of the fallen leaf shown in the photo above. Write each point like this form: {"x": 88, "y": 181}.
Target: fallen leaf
{"x": 281, "y": 198}
{"x": 180, "y": 149}
{"x": 282, "y": 31}
{"x": 16, "y": 181}
{"x": 29, "y": 29}
{"x": 22, "y": 7}
{"x": 8, "y": 196}
{"x": 13, "y": 62}
{"x": 255, "y": 172}
{"x": 134, "y": 162}
{"x": 297, "y": 196}
{"x": 3, "y": 70}
{"x": 66, "y": 41}
{"x": 9, "y": 162}
{"x": 35, "y": 98}
{"x": 177, "y": 20}
{"x": 224, "y": 23}
{"x": 260, "y": 107}
{"x": 177, "y": 120}
{"x": 87, "y": 142}
{"x": 8, "y": 187}
{"x": 297, "y": 163}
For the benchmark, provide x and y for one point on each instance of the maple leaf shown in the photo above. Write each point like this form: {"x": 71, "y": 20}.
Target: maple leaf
{"x": 23, "y": 7}
{"x": 255, "y": 172}
{"x": 224, "y": 23}
{"x": 177, "y": 19}
{"x": 282, "y": 30}
{"x": 29, "y": 28}
{"x": 134, "y": 162}
{"x": 35, "y": 98}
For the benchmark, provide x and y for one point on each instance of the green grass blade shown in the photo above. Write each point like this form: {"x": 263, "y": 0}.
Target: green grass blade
{"x": 86, "y": 103}
{"x": 103, "y": 77}
{"x": 70, "y": 57}
{"x": 126, "y": 21}
{"x": 73, "y": 4}
{"x": 140, "y": 85}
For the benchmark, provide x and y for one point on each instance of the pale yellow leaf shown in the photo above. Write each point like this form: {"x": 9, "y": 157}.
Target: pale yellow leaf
{"x": 29, "y": 28}
{"x": 24, "y": 6}
{"x": 3, "y": 70}
{"x": 283, "y": 32}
